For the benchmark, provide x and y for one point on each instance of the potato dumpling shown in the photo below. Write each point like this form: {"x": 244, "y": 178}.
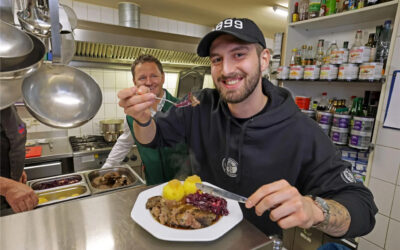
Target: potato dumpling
{"x": 173, "y": 190}
{"x": 42, "y": 200}
{"x": 190, "y": 184}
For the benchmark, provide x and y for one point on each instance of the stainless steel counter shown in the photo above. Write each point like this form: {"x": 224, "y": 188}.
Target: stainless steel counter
{"x": 104, "y": 222}
{"x": 61, "y": 149}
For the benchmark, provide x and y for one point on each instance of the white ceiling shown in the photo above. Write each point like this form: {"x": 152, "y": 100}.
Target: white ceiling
{"x": 210, "y": 12}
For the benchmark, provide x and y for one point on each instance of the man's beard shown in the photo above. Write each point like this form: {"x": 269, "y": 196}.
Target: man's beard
{"x": 248, "y": 87}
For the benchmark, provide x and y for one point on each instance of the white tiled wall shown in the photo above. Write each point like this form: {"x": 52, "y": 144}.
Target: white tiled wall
{"x": 98, "y": 13}
{"x": 385, "y": 179}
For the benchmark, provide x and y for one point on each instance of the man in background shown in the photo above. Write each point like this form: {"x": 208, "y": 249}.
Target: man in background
{"x": 163, "y": 164}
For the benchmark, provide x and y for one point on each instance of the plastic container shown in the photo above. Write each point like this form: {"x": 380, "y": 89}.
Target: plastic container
{"x": 348, "y": 71}
{"x": 349, "y": 153}
{"x": 325, "y": 127}
{"x": 363, "y": 156}
{"x": 360, "y": 140}
{"x": 302, "y": 102}
{"x": 339, "y": 56}
{"x": 370, "y": 71}
{"x": 328, "y": 72}
{"x": 359, "y": 54}
{"x": 339, "y": 135}
{"x": 324, "y": 117}
{"x": 296, "y": 72}
{"x": 363, "y": 124}
{"x": 341, "y": 121}
{"x": 283, "y": 73}
{"x": 311, "y": 72}
{"x": 309, "y": 113}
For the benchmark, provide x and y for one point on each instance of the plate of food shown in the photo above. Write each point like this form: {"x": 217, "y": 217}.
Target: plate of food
{"x": 177, "y": 211}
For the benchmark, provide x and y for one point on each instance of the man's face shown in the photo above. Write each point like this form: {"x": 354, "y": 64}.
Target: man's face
{"x": 149, "y": 75}
{"x": 235, "y": 68}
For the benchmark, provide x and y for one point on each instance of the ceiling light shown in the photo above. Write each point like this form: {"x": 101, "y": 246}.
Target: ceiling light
{"x": 280, "y": 10}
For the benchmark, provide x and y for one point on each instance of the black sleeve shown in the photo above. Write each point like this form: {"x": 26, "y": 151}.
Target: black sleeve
{"x": 326, "y": 175}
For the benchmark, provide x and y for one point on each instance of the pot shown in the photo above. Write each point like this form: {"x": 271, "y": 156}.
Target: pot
{"x": 111, "y": 129}
{"x": 61, "y": 96}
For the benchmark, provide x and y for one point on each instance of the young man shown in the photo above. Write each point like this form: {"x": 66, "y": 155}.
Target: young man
{"x": 160, "y": 165}
{"x": 249, "y": 137}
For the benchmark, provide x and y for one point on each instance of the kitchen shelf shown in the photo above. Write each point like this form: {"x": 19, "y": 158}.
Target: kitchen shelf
{"x": 376, "y": 12}
{"x": 352, "y": 82}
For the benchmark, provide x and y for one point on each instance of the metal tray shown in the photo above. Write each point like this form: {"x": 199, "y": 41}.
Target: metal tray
{"x": 122, "y": 170}
{"x": 35, "y": 184}
{"x": 63, "y": 194}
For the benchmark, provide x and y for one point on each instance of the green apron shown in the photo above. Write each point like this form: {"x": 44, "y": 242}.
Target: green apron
{"x": 163, "y": 164}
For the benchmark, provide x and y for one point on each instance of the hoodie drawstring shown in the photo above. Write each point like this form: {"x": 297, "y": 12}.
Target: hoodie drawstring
{"x": 240, "y": 146}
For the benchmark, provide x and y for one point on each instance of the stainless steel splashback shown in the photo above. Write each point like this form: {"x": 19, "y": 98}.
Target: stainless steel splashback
{"x": 106, "y": 43}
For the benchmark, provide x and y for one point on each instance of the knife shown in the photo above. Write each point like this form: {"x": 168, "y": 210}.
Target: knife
{"x": 220, "y": 192}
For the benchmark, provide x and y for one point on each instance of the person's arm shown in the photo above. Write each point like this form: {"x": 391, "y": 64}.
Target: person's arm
{"x": 290, "y": 209}
{"x": 136, "y": 103}
{"x": 19, "y": 196}
{"x": 121, "y": 147}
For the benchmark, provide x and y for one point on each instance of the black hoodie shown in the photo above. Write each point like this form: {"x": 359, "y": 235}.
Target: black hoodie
{"x": 279, "y": 143}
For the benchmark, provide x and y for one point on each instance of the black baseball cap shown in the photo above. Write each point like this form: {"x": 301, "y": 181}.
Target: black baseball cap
{"x": 242, "y": 28}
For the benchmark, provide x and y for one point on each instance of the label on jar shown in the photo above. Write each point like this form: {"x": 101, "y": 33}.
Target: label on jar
{"x": 311, "y": 72}
{"x": 339, "y": 56}
{"x": 328, "y": 72}
{"x": 283, "y": 73}
{"x": 348, "y": 72}
{"x": 370, "y": 71}
{"x": 359, "y": 54}
{"x": 296, "y": 72}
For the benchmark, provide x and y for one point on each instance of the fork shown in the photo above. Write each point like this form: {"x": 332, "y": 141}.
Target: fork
{"x": 181, "y": 104}
{"x": 159, "y": 98}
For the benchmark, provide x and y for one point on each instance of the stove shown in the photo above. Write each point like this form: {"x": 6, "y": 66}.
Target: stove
{"x": 91, "y": 152}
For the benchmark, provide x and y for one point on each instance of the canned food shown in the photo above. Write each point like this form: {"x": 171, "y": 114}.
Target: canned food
{"x": 325, "y": 128}
{"x": 302, "y": 102}
{"x": 339, "y": 135}
{"x": 348, "y": 71}
{"x": 328, "y": 72}
{"x": 339, "y": 56}
{"x": 311, "y": 72}
{"x": 324, "y": 117}
{"x": 363, "y": 124}
{"x": 309, "y": 113}
{"x": 359, "y": 54}
{"x": 371, "y": 71}
{"x": 359, "y": 139}
{"x": 341, "y": 121}
{"x": 283, "y": 73}
{"x": 296, "y": 72}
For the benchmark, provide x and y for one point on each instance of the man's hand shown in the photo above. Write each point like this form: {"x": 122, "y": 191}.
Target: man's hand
{"x": 288, "y": 207}
{"x": 23, "y": 178}
{"x": 20, "y": 197}
{"x": 137, "y": 102}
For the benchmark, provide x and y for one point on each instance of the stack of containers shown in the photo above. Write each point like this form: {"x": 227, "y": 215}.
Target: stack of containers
{"x": 324, "y": 120}
{"x": 358, "y": 160}
{"x": 340, "y": 128}
{"x": 361, "y": 132}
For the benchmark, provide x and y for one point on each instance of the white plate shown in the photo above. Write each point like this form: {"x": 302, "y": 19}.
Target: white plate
{"x": 142, "y": 216}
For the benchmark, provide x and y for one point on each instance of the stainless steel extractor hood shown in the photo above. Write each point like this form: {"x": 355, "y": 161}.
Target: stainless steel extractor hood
{"x": 114, "y": 44}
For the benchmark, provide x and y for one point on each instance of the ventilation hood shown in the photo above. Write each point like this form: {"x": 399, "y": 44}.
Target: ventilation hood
{"x": 119, "y": 45}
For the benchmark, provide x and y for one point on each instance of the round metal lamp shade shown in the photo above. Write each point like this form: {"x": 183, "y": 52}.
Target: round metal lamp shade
{"x": 61, "y": 96}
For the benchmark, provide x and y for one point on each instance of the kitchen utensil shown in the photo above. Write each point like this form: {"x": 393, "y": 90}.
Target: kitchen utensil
{"x": 173, "y": 103}
{"x": 61, "y": 96}
{"x": 73, "y": 19}
{"x": 6, "y": 11}
{"x": 111, "y": 129}
{"x": 11, "y": 81}
{"x": 220, "y": 192}
{"x": 15, "y": 46}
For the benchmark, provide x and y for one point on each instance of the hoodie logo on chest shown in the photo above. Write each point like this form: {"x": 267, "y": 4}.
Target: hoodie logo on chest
{"x": 230, "y": 167}
{"x": 347, "y": 176}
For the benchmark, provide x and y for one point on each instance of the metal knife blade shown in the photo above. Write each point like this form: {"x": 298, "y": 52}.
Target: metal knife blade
{"x": 220, "y": 192}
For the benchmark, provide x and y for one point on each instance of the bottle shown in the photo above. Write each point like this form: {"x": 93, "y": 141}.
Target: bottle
{"x": 360, "y": 4}
{"x": 345, "y": 6}
{"x": 352, "y": 5}
{"x": 382, "y": 48}
{"x": 370, "y": 40}
{"x": 303, "y": 10}
{"x": 358, "y": 39}
{"x": 319, "y": 56}
{"x": 339, "y": 6}
{"x": 330, "y": 7}
{"x": 371, "y": 43}
{"x": 313, "y": 8}
{"x": 293, "y": 57}
{"x": 345, "y": 56}
{"x": 310, "y": 57}
{"x": 297, "y": 57}
{"x": 295, "y": 14}
{"x": 331, "y": 53}
{"x": 323, "y": 102}
{"x": 304, "y": 55}
{"x": 322, "y": 9}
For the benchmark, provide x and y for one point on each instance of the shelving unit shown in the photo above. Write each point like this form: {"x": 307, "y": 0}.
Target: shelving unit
{"x": 340, "y": 27}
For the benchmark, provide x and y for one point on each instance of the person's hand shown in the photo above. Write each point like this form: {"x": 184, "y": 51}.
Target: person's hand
{"x": 137, "y": 102}
{"x": 21, "y": 197}
{"x": 23, "y": 177}
{"x": 287, "y": 206}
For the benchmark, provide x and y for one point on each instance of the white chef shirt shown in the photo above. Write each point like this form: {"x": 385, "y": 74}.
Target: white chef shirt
{"x": 125, "y": 141}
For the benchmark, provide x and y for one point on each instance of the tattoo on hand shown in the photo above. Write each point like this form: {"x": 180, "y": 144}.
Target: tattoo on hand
{"x": 339, "y": 221}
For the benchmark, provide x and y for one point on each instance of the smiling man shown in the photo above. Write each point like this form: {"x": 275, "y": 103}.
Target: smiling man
{"x": 249, "y": 137}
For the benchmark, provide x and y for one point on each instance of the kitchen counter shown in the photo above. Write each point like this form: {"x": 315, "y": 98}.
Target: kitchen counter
{"x": 61, "y": 149}
{"x": 104, "y": 222}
